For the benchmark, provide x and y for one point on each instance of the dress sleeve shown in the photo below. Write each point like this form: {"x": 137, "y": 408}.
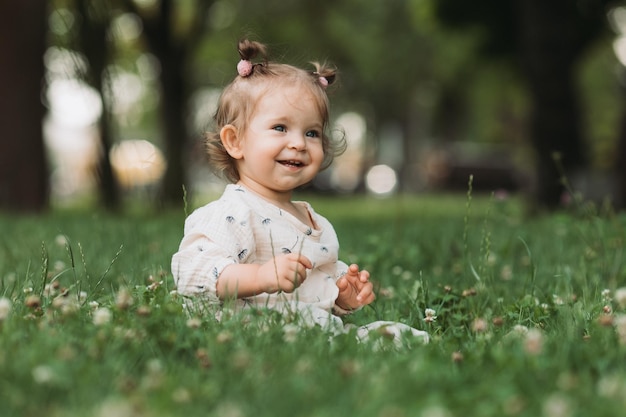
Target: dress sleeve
{"x": 214, "y": 239}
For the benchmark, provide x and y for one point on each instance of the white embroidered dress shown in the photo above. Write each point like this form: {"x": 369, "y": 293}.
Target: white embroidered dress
{"x": 241, "y": 227}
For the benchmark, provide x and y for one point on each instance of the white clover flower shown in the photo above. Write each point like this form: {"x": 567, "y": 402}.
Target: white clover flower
{"x": 479, "y": 325}
{"x": 533, "y": 343}
{"x": 101, "y": 316}
{"x": 181, "y": 395}
{"x": 5, "y": 308}
{"x": 620, "y": 328}
{"x": 610, "y": 386}
{"x": 506, "y": 273}
{"x": 557, "y": 405}
{"x": 194, "y": 323}
{"x": 290, "y": 332}
{"x": 557, "y": 300}
{"x": 435, "y": 411}
{"x": 49, "y": 290}
{"x": 123, "y": 299}
{"x": 606, "y": 294}
{"x": 59, "y": 266}
{"x": 620, "y": 297}
{"x": 430, "y": 315}
{"x": 43, "y": 374}
{"x": 61, "y": 240}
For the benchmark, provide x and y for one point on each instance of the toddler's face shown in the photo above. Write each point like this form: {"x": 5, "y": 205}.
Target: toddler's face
{"x": 282, "y": 144}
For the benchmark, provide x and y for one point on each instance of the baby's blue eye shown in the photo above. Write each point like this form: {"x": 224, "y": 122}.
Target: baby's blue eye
{"x": 313, "y": 134}
{"x": 279, "y": 128}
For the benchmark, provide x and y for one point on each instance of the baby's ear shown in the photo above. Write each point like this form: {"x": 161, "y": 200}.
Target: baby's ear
{"x": 229, "y": 136}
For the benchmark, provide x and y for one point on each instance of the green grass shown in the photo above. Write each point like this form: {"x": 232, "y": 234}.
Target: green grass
{"x": 479, "y": 263}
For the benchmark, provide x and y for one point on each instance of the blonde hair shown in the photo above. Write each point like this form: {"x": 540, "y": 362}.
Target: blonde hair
{"x": 238, "y": 101}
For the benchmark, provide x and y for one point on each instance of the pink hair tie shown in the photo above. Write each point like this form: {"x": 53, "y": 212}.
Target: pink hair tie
{"x": 323, "y": 82}
{"x": 244, "y": 67}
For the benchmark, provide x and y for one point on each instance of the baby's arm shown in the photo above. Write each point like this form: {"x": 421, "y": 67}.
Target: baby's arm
{"x": 355, "y": 289}
{"x": 282, "y": 273}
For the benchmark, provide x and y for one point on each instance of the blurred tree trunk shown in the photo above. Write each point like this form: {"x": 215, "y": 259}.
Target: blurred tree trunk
{"x": 93, "y": 43}
{"x": 173, "y": 48}
{"x": 550, "y": 45}
{"x": 548, "y": 38}
{"x": 23, "y": 167}
{"x": 620, "y": 161}
{"x": 172, "y": 56}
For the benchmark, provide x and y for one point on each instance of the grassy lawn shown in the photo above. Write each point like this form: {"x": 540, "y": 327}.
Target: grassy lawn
{"x": 529, "y": 319}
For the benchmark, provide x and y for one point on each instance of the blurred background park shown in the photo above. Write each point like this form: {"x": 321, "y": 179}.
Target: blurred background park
{"x": 102, "y": 101}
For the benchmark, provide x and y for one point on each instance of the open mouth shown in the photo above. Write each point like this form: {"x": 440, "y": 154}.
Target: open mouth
{"x": 291, "y": 163}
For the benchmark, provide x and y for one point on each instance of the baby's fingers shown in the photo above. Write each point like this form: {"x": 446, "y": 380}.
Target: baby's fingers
{"x": 364, "y": 276}
{"x": 366, "y": 294}
{"x": 342, "y": 283}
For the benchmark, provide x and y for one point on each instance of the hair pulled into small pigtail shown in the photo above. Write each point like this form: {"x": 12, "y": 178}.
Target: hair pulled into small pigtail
{"x": 248, "y": 50}
{"x": 325, "y": 75}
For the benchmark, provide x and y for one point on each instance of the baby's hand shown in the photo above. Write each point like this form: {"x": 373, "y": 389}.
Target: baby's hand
{"x": 355, "y": 289}
{"x": 283, "y": 273}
